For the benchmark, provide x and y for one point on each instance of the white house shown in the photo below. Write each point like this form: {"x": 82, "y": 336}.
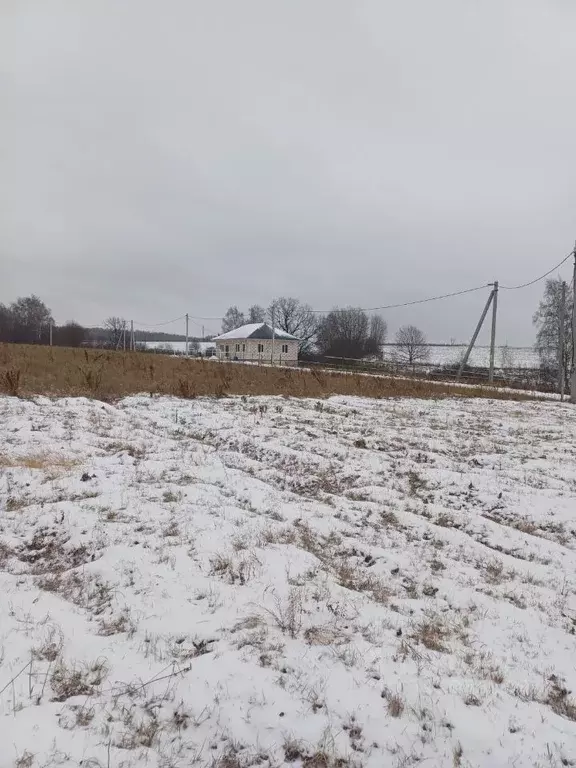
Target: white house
{"x": 258, "y": 343}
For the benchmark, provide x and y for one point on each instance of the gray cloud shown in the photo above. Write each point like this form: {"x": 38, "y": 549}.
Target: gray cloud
{"x": 164, "y": 157}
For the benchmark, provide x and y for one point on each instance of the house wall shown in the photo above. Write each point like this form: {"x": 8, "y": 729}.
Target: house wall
{"x": 249, "y": 350}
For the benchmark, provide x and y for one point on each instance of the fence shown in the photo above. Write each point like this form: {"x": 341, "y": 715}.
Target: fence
{"x": 538, "y": 379}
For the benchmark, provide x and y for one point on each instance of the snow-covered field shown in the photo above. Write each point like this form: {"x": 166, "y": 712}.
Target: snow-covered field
{"x": 178, "y": 347}
{"x": 271, "y": 582}
{"x": 451, "y": 354}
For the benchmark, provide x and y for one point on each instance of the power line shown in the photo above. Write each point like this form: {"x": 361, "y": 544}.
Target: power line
{"x": 158, "y": 325}
{"x": 525, "y": 285}
{"x": 198, "y": 325}
{"x": 386, "y": 306}
{"x": 435, "y": 298}
{"x": 408, "y": 303}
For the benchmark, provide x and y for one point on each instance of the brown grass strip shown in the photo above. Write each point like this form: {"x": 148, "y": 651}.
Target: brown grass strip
{"x": 60, "y": 371}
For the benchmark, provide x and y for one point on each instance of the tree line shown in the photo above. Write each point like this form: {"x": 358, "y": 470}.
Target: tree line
{"x": 29, "y": 321}
{"x": 347, "y": 332}
{"x": 343, "y": 332}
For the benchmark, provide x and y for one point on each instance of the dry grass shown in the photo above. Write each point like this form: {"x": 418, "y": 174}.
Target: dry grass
{"x": 77, "y": 680}
{"x": 559, "y": 700}
{"x": 45, "y": 461}
{"x": 352, "y": 577}
{"x": 296, "y": 751}
{"x": 234, "y": 570}
{"x": 28, "y": 370}
{"x": 288, "y": 613}
{"x": 395, "y": 705}
{"x": 432, "y": 634}
{"x": 26, "y": 760}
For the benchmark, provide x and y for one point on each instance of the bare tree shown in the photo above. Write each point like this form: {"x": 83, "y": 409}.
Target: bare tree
{"x": 506, "y": 357}
{"x": 344, "y": 333}
{"x": 547, "y": 320}
{"x": 296, "y": 318}
{"x": 232, "y": 319}
{"x": 256, "y": 314}
{"x": 411, "y": 345}
{"x": 31, "y": 320}
{"x": 377, "y": 336}
{"x": 116, "y": 331}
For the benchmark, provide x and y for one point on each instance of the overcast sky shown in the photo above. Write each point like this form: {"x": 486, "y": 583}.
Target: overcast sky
{"x": 164, "y": 156}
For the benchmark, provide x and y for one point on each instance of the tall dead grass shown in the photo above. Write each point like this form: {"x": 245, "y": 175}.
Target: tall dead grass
{"x": 28, "y": 370}
{"x": 37, "y": 461}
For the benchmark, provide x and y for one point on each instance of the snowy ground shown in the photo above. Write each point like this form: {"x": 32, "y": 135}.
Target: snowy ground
{"x": 449, "y": 354}
{"x": 273, "y": 582}
{"x": 452, "y": 354}
{"x": 178, "y": 346}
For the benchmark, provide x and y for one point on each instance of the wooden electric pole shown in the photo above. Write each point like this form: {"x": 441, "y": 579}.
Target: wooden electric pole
{"x": 187, "y": 326}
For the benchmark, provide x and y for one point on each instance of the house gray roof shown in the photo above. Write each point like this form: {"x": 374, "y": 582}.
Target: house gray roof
{"x": 255, "y": 331}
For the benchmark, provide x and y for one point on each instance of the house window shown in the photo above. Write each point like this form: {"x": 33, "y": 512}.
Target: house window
{"x": 226, "y": 349}
{"x": 285, "y": 349}
{"x": 237, "y": 347}
{"x": 243, "y": 347}
{"x": 260, "y": 348}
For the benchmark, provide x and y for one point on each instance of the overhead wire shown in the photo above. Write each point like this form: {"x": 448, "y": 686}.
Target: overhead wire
{"x": 387, "y": 306}
{"x": 158, "y": 325}
{"x": 537, "y": 279}
{"x": 410, "y": 303}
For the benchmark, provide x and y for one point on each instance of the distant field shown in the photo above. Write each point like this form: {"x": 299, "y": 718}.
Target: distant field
{"x": 448, "y": 354}
{"x": 177, "y": 346}
{"x": 505, "y": 357}
{"x": 26, "y": 370}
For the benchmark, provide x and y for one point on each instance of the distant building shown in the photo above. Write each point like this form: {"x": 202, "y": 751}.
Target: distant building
{"x": 254, "y": 343}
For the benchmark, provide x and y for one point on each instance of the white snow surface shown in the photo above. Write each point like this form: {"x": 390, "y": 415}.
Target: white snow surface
{"x": 245, "y": 331}
{"x": 276, "y": 582}
{"x": 452, "y": 354}
{"x": 178, "y": 346}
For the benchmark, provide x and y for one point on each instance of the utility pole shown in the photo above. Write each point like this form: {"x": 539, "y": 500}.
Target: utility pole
{"x": 273, "y": 330}
{"x": 493, "y": 333}
{"x": 475, "y": 336}
{"x": 573, "y": 379}
{"x": 187, "y": 325}
{"x": 51, "y": 326}
{"x": 561, "y": 341}
{"x": 132, "y": 345}
{"x": 202, "y": 333}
